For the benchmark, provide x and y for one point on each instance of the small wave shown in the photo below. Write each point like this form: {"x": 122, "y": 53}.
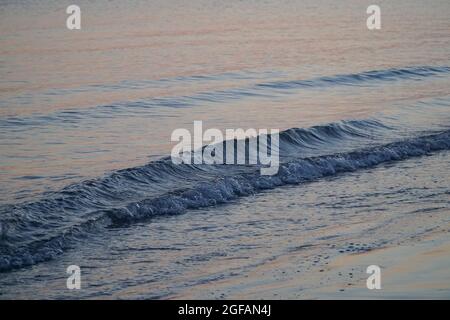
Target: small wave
{"x": 393, "y": 74}
{"x": 303, "y": 170}
{"x": 39, "y": 231}
{"x": 262, "y": 90}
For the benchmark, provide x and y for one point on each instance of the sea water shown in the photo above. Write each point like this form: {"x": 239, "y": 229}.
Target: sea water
{"x": 86, "y": 118}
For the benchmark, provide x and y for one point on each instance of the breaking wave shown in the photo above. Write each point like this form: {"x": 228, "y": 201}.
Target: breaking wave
{"x": 39, "y": 231}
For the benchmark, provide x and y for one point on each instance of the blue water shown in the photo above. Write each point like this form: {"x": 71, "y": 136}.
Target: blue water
{"x": 86, "y": 119}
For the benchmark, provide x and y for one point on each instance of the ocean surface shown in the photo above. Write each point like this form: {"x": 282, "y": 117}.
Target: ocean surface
{"x": 86, "y": 118}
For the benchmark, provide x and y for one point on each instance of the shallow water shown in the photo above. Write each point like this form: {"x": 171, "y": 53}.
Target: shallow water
{"x": 86, "y": 118}
{"x": 223, "y": 251}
